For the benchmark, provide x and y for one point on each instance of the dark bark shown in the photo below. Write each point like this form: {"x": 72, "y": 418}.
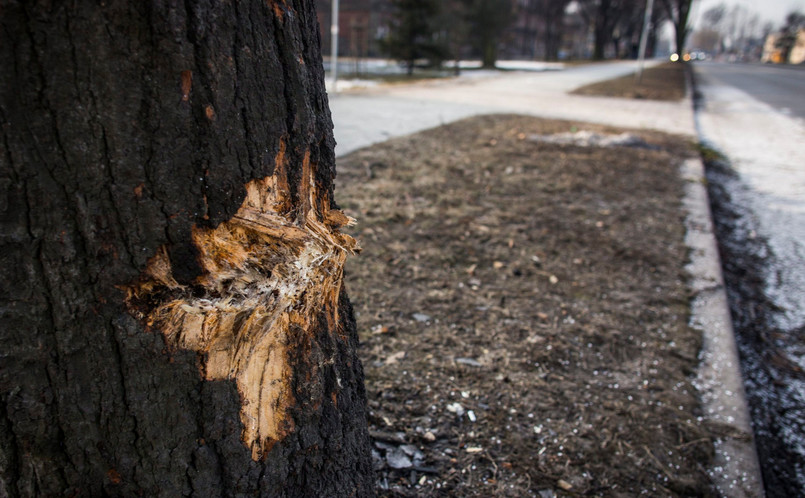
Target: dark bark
{"x": 131, "y": 133}
{"x": 678, "y": 11}
{"x": 487, "y": 20}
{"x": 554, "y": 14}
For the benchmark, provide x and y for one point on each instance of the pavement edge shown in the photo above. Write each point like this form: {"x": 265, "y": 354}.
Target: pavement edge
{"x": 735, "y": 469}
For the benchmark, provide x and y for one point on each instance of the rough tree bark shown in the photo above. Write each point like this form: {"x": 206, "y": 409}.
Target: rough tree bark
{"x": 173, "y": 314}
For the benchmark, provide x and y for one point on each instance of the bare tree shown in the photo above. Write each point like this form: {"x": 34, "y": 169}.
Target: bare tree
{"x": 678, "y": 12}
{"x": 552, "y": 13}
{"x": 604, "y": 16}
{"x": 487, "y": 19}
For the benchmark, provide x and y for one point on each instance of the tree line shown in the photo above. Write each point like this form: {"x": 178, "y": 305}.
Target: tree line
{"x": 430, "y": 32}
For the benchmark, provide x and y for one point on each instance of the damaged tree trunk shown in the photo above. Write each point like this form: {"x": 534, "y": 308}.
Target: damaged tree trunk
{"x": 173, "y": 314}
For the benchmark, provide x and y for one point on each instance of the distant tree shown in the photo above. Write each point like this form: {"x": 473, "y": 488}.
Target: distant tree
{"x": 736, "y": 29}
{"x": 487, "y": 19}
{"x": 628, "y": 26}
{"x": 711, "y": 34}
{"x": 414, "y": 33}
{"x": 714, "y": 15}
{"x": 794, "y": 22}
{"x": 678, "y": 12}
{"x": 553, "y": 13}
{"x": 453, "y": 30}
{"x": 658, "y": 18}
{"x": 604, "y": 17}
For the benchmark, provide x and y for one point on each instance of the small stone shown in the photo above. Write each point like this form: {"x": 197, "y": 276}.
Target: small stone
{"x": 413, "y": 452}
{"x": 469, "y": 361}
{"x": 564, "y": 485}
{"x": 429, "y": 437}
{"x": 456, "y": 408}
{"x": 395, "y": 357}
{"x": 421, "y": 317}
{"x": 380, "y": 329}
{"x": 397, "y": 459}
{"x": 471, "y": 416}
{"x": 409, "y": 449}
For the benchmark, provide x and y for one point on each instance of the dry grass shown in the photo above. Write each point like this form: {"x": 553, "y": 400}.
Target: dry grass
{"x": 663, "y": 82}
{"x": 523, "y": 312}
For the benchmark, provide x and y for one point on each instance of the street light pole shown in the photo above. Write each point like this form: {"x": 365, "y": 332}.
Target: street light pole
{"x": 641, "y": 54}
{"x": 334, "y": 45}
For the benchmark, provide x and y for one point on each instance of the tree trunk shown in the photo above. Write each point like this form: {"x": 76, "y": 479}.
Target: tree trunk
{"x": 173, "y": 314}
{"x": 489, "y": 55}
{"x": 599, "y": 43}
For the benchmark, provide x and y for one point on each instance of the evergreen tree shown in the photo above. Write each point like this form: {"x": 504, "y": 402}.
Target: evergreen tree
{"x": 414, "y": 33}
{"x": 487, "y": 20}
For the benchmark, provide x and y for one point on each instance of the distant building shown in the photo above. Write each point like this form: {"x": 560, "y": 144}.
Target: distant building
{"x": 771, "y": 53}
{"x": 797, "y": 55}
{"x": 361, "y": 24}
{"x": 775, "y": 55}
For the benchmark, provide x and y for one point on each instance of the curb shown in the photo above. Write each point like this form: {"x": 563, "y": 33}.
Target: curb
{"x": 735, "y": 470}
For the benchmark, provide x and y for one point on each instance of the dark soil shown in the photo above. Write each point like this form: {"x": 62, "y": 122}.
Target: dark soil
{"x": 663, "y": 82}
{"x": 524, "y": 313}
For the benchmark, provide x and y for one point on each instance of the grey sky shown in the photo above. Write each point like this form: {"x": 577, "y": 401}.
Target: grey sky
{"x": 769, "y": 10}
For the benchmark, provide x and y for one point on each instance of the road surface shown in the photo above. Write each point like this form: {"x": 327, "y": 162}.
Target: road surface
{"x": 781, "y": 87}
{"x": 754, "y": 116}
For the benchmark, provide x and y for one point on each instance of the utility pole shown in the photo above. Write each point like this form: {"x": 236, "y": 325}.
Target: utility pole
{"x": 641, "y": 54}
{"x": 334, "y": 46}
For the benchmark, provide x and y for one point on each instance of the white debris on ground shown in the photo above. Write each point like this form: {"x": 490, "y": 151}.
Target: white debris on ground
{"x": 350, "y": 84}
{"x": 515, "y": 65}
{"x": 584, "y": 138}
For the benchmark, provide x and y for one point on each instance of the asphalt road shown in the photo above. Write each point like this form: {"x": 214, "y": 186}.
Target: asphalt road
{"x": 755, "y": 116}
{"x": 781, "y": 87}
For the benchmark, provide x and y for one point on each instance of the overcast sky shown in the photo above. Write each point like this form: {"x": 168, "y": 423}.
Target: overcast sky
{"x": 769, "y": 10}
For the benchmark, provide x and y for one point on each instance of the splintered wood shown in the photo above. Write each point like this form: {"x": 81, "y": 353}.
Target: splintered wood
{"x": 267, "y": 276}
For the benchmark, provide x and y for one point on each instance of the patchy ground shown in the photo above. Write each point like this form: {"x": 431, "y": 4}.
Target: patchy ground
{"x": 663, "y": 82}
{"x": 523, "y": 311}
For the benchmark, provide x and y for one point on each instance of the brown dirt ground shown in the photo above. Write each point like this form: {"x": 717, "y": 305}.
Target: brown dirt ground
{"x": 663, "y": 82}
{"x": 523, "y": 313}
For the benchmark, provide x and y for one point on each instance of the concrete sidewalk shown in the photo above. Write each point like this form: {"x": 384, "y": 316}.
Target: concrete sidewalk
{"x": 365, "y": 117}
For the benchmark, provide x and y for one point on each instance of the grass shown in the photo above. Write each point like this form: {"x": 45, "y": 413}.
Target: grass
{"x": 663, "y": 82}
